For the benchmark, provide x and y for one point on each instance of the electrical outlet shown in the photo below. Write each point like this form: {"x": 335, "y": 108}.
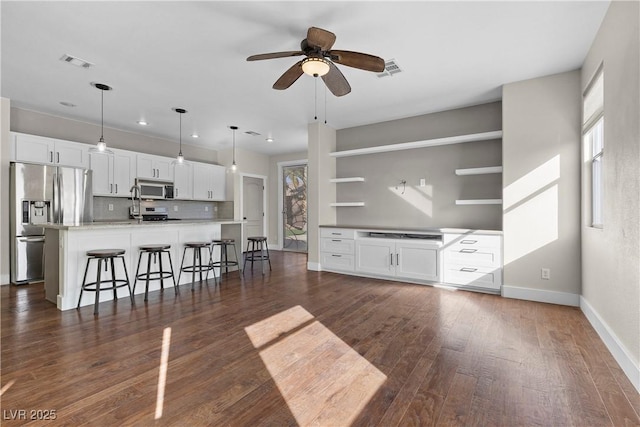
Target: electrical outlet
{"x": 175, "y": 208}
{"x": 206, "y": 208}
{"x": 545, "y": 273}
{"x": 215, "y": 208}
{"x": 423, "y": 182}
{"x": 110, "y": 207}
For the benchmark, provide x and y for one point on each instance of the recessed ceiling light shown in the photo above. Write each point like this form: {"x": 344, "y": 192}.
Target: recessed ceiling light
{"x": 142, "y": 122}
{"x": 269, "y": 139}
{"x": 67, "y": 104}
{"x": 195, "y": 135}
{"x": 76, "y": 61}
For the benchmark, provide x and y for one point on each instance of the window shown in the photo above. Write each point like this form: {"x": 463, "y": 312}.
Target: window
{"x": 593, "y": 136}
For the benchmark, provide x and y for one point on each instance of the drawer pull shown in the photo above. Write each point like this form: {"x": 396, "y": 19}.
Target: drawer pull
{"x": 468, "y": 242}
{"x": 468, "y": 269}
{"x": 468, "y": 251}
{"x": 336, "y": 240}
{"x": 336, "y": 234}
{"x": 336, "y": 256}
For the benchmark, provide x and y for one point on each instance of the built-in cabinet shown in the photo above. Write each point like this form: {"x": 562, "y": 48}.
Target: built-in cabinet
{"x": 113, "y": 174}
{"x": 49, "y": 151}
{"x": 209, "y": 182}
{"x": 154, "y": 167}
{"x": 183, "y": 181}
{"x": 469, "y": 260}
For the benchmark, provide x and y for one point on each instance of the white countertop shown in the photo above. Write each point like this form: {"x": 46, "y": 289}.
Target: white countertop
{"x": 134, "y": 223}
{"x": 415, "y": 229}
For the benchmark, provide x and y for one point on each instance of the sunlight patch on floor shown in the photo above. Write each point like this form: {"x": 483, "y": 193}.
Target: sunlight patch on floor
{"x": 321, "y": 378}
{"x": 6, "y": 387}
{"x": 162, "y": 374}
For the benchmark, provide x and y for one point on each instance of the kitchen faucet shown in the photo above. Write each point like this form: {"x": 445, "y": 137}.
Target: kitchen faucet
{"x": 136, "y": 194}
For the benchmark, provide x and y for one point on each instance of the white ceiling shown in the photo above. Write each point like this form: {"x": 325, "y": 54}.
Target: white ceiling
{"x": 158, "y": 55}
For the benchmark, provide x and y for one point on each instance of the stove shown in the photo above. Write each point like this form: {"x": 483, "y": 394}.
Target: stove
{"x": 156, "y": 214}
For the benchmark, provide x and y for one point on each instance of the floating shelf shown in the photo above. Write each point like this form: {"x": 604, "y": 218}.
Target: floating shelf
{"x": 479, "y": 171}
{"x": 484, "y": 136}
{"x": 352, "y": 179}
{"x": 479, "y": 202}
{"x": 342, "y": 204}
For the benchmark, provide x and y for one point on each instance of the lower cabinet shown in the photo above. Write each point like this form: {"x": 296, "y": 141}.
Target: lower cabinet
{"x": 472, "y": 260}
{"x": 388, "y": 257}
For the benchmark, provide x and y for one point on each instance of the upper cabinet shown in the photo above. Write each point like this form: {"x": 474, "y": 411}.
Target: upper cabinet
{"x": 113, "y": 174}
{"x": 209, "y": 182}
{"x": 183, "y": 181}
{"x": 49, "y": 151}
{"x": 154, "y": 167}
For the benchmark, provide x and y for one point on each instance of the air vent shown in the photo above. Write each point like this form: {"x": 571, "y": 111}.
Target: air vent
{"x": 252, "y": 133}
{"x": 390, "y": 68}
{"x": 76, "y": 61}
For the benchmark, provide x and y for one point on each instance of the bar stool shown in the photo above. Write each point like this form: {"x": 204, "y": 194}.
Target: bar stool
{"x": 224, "y": 255}
{"x": 197, "y": 266}
{"x": 106, "y": 256}
{"x": 155, "y": 252}
{"x": 257, "y": 243}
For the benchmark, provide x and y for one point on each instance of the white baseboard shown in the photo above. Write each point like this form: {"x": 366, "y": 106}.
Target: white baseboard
{"x": 314, "y": 266}
{"x": 539, "y": 295}
{"x": 617, "y": 349}
{"x": 4, "y": 279}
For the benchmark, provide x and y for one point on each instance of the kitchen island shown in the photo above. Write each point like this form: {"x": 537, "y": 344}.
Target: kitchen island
{"x": 66, "y": 247}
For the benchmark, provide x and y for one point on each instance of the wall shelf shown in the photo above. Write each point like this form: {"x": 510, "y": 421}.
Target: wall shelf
{"x": 343, "y": 204}
{"x": 352, "y": 179}
{"x": 484, "y": 136}
{"x": 479, "y": 171}
{"x": 479, "y": 202}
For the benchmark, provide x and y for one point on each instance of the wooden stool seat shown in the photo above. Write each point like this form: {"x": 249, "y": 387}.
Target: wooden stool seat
{"x": 105, "y": 253}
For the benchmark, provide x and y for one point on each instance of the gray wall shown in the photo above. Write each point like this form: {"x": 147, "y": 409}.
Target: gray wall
{"x": 541, "y": 178}
{"x": 434, "y": 204}
{"x": 5, "y": 109}
{"x": 611, "y": 255}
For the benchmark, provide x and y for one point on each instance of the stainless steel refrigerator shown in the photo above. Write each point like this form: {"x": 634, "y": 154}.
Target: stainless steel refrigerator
{"x": 42, "y": 194}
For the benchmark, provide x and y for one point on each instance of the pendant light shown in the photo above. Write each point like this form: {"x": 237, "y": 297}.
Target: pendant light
{"x": 101, "y": 147}
{"x": 234, "y": 167}
{"x": 181, "y": 111}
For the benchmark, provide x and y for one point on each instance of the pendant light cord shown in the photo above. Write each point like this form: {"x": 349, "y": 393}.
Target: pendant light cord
{"x": 101, "y": 115}
{"x": 180, "y": 115}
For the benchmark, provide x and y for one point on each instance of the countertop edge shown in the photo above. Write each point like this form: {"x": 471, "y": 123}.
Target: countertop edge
{"x": 415, "y": 229}
{"x": 126, "y": 224}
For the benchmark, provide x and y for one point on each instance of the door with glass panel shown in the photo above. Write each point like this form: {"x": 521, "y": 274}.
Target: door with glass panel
{"x": 294, "y": 209}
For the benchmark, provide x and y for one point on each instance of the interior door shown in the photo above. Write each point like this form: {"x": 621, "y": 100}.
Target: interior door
{"x": 294, "y": 208}
{"x": 252, "y": 208}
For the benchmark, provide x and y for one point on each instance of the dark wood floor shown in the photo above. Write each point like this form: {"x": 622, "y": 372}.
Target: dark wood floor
{"x": 304, "y": 348}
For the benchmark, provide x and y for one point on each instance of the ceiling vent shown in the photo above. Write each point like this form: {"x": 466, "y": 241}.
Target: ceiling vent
{"x": 252, "y": 133}
{"x": 76, "y": 61}
{"x": 390, "y": 68}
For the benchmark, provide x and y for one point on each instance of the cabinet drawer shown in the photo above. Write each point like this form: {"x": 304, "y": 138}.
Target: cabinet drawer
{"x": 332, "y": 261}
{"x": 478, "y": 277}
{"x": 458, "y": 241}
{"x": 337, "y": 233}
{"x": 340, "y": 246}
{"x": 471, "y": 256}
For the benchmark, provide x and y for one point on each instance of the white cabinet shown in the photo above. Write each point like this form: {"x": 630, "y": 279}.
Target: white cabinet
{"x": 113, "y": 174}
{"x": 209, "y": 182}
{"x": 154, "y": 167}
{"x": 473, "y": 260}
{"x": 391, "y": 257}
{"x": 337, "y": 249}
{"x": 183, "y": 181}
{"x": 39, "y": 149}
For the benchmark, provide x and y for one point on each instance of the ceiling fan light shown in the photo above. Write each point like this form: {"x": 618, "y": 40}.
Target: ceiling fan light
{"x": 315, "y": 66}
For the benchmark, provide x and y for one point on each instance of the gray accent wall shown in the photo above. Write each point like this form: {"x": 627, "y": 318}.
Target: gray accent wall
{"x": 389, "y": 203}
{"x": 611, "y": 255}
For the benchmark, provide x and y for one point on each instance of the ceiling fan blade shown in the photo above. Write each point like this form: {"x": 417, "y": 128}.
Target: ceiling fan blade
{"x": 359, "y": 60}
{"x": 274, "y": 55}
{"x": 320, "y": 38}
{"x": 335, "y": 81}
{"x": 289, "y": 77}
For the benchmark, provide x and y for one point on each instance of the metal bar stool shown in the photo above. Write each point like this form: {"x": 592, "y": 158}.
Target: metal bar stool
{"x": 106, "y": 256}
{"x": 225, "y": 262}
{"x": 155, "y": 252}
{"x": 199, "y": 264}
{"x": 257, "y": 243}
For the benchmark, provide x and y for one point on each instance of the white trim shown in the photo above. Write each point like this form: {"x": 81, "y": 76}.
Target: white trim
{"x": 353, "y": 179}
{"x": 265, "y": 223}
{"x": 479, "y": 202}
{"x": 613, "y": 344}
{"x": 340, "y": 204}
{"x": 4, "y": 279}
{"x": 479, "y": 171}
{"x": 484, "y": 136}
{"x": 281, "y": 197}
{"x": 314, "y": 266}
{"x": 540, "y": 295}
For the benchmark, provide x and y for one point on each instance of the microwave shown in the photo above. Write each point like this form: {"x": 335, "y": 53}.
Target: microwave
{"x": 155, "y": 190}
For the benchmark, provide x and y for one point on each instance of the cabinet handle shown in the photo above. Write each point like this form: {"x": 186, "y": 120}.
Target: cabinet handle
{"x": 116, "y": 188}
{"x": 391, "y": 259}
{"x": 468, "y": 251}
{"x": 51, "y": 156}
{"x": 158, "y": 174}
{"x": 468, "y": 269}
{"x": 58, "y": 157}
{"x": 336, "y": 240}
{"x": 336, "y": 234}
{"x": 468, "y": 242}
{"x": 176, "y": 192}
{"x": 397, "y": 259}
{"x": 337, "y": 256}
{"x": 111, "y": 188}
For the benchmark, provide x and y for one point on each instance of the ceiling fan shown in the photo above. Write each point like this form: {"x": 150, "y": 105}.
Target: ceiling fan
{"x": 319, "y": 62}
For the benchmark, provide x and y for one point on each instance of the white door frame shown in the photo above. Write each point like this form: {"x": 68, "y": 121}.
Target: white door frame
{"x": 281, "y": 166}
{"x": 264, "y": 205}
